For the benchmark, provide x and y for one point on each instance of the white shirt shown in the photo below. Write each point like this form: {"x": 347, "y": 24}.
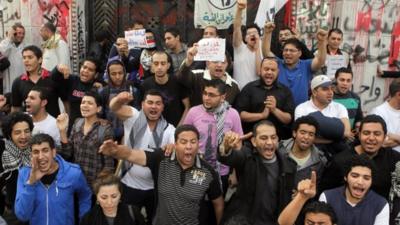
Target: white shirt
{"x": 244, "y": 66}
{"x": 139, "y": 177}
{"x": 53, "y": 57}
{"x": 334, "y": 109}
{"x": 47, "y": 126}
{"x": 391, "y": 117}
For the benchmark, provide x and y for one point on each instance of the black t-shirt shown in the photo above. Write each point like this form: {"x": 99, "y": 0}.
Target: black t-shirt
{"x": 22, "y": 85}
{"x": 251, "y": 99}
{"x": 49, "y": 178}
{"x": 173, "y": 93}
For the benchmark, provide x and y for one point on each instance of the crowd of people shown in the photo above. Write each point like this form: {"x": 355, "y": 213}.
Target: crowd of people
{"x": 151, "y": 136}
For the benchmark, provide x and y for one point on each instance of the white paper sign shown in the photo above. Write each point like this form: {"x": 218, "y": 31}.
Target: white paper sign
{"x": 333, "y": 63}
{"x": 136, "y": 38}
{"x": 210, "y": 49}
{"x": 218, "y": 13}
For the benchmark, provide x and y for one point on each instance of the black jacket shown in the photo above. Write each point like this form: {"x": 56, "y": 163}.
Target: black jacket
{"x": 96, "y": 216}
{"x": 247, "y": 201}
{"x": 385, "y": 162}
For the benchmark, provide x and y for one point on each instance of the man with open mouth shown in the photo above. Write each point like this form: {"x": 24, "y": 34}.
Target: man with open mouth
{"x": 354, "y": 203}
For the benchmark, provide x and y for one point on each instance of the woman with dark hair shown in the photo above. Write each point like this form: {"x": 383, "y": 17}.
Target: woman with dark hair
{"x": 108, "y": 209}
{"x": 87, "y": 134}
{"x": 15, "y": 153}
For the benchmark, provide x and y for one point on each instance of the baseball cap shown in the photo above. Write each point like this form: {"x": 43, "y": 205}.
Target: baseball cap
{"x": 320, "y": 81}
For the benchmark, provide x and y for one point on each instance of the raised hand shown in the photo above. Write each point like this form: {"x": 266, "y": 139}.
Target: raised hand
{"x": 269, "y": 27}
{"x": 190, "y": 54}
{"x": 308, "y": 188}
{"x": 35, "y": 173}
{"x": 242, "y": 4}
{"x": 122, "y": 47}
{"x": 62, "y": 121}
{"x": 322, "y": 35}
{"x": 109, "y": 148}
{"x": 124, "y": 97}
{"x": 64, "y": 69}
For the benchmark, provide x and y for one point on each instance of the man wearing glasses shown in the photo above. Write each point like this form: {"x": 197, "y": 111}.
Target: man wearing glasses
{"x": 194, "y": 79}
{"x": 294, "y": 72}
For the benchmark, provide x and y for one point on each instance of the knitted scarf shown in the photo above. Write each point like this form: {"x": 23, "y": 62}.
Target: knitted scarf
{"x": 52, "y": 42}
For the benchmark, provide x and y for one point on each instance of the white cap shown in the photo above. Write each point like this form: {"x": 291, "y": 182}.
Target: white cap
{"x": 320, "y": 81}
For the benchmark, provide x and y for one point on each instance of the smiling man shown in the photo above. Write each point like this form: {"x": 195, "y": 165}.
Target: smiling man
{"x": 182, "y": 180}
{"x": 302, "y": 150}
{"x": 266, "y": 177}
{"x": 354, "y": 203}
{"x": 371, "y": 137}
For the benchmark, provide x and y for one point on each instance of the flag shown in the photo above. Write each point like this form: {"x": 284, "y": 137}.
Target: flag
{"x": 267, "y": 10}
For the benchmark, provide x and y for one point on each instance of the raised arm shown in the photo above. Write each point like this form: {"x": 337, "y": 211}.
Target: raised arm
{"x": 119, "y": 106}
{"x": 266, "y": 41}
{"x": 237, "y": 23}
{"x": 319, "y": 59}
{"x": 111, "y": 148}
{"x": 306, "y": 189}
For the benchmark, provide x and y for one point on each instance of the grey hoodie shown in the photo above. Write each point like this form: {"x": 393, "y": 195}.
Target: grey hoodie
{"x": 316, "y": 162}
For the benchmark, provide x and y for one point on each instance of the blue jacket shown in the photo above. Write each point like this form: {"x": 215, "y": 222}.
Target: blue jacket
{"x": 53, "y": 205}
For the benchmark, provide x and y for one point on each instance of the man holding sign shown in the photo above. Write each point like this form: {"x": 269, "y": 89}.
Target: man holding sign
{"x": 195, "y": 79}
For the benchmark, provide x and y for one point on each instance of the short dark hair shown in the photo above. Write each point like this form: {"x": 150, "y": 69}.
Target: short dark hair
{"x": 374, "y": 119}
{"x": 35, "y": 49}
{"x": 43, "y": 93}
{"x": 335, "y": 30}
{"x": 17, "y": 25}
{"x": 154, "y": 92}
{"x": 293, "y": 41}
{"x": 394, "y": 87}
{"x": 115, "y": 62}
{"x": 174, "y": 31}
{"x": 186, "y": 127}
{"x": 13, "y": 118}
{"x": 50, "y": 26}
{"x": 106, "y": 178}
{"x": 286, "y": 28}
{"x": 40, "y": 138}
{"x": 94, "y": 61}
{"x": 343, "y": 70}
{"x": 253, "y": 25}
{"x": 160, "y": 52}
{"x": 309, "y": 120}
{"x": 96, "y": 96}
{"x": 320, "y": 207}
{"x": 361, "y": 160}
{"x": 269, "y": 58}
{"x": 216, "y": 83}
{"x": 261, "y": 123}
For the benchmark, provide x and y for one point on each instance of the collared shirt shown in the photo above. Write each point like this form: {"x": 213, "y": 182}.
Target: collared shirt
{"x": 296, "y": 79}
{"x": 85, "y": 148}
{"x": 23, "y": 85}
{"x": 181, "y": 191}
{"x": 251, "y": 99}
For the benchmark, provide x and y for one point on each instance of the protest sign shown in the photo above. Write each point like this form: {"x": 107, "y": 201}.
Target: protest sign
{"x": 334, "y": 62}
{"x": 210, "y": 49}
{"x": 136, "y": 38}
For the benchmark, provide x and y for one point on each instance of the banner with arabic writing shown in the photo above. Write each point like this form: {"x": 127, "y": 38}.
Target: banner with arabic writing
{"x": 218, "y": 13}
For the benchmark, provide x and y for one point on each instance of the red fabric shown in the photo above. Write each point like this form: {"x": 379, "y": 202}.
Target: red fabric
{"x": 45, "y": 74}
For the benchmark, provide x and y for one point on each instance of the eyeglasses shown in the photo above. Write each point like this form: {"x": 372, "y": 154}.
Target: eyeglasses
{"x": 211, "y": 95}
{"x": 290, "y": 50}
